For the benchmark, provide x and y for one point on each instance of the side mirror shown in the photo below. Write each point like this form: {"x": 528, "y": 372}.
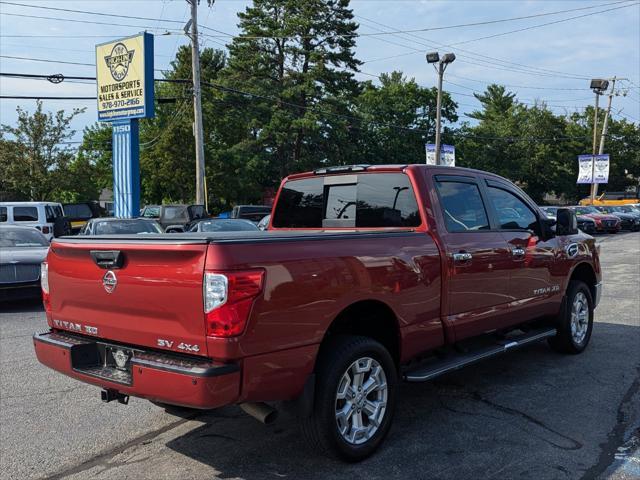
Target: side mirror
{"x": 567, "y": 222}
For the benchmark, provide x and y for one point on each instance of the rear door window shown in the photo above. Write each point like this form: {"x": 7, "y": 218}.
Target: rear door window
{"x": 3, "y": 214}
{"x": 462, "y": 207}
{"x": 363, "y": 201}
{"x": 25, "y": 214}
{"x": 386, "y": 200}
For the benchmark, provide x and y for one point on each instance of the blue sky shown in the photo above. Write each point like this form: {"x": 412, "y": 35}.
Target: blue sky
{"x": 551, "y": 63}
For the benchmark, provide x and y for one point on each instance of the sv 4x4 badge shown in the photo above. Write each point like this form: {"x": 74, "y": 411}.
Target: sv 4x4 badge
{"x": 181, "y": 346}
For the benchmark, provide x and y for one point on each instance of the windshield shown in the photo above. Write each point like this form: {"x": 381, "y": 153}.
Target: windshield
{"x": 173, "y": 213}
{"x": 19, "y": 238}
{"x": 151, "y": 212}
{"x": 550, "y": 211}
{"x": 125, "y": 226}
{"x": 227, "y": 226}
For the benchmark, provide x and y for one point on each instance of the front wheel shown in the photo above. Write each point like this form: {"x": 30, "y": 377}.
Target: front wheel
{"x": 355, "y": 398}
{"x": 576, "y": 321}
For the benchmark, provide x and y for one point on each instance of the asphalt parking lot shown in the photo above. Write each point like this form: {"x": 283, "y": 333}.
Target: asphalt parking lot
{"x": 532, "y": 414}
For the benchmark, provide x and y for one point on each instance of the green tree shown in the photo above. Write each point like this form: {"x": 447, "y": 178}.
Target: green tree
{"x": 296, "y": 59}
{"x": 398, "y": 118}
{"x": 167, "y": 147}
{"x": 35, "y": 161}
{"x": 495, "y": 101}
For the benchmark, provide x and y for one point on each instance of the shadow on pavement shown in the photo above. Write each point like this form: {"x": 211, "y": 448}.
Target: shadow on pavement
{"x": 528, "y": 414}
{"x": 31, "y": 304}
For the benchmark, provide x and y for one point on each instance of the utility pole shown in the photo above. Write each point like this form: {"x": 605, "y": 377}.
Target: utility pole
{"x": 605, "y": 126}
{"x": 197, "y": 102}
{"x": 434, "y": 57}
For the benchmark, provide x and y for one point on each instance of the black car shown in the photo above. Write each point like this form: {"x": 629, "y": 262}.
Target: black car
{"x": 179, "y": 218}
{"x": 629, "y": 219}
{"x": 255, "y": 213}
{"x": 80, "y": 213}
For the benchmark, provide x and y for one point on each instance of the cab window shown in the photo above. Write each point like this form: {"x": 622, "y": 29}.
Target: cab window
{"x": 462, "y": 207}
{"x": 3, "y": 214}
{"x": 512, "y": 213}
{"x": 376, "y": 200}
{"x": 25, "y": 214}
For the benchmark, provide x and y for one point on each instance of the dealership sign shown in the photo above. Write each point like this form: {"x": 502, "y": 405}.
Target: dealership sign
{"x": 447, "y": 155}
{"x": 124, "y": 73}
{"x": 593, "y": 168}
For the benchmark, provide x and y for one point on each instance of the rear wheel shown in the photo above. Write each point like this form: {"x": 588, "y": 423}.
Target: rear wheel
{"x": 576, "y": 322}
{"x": 355, "y": 398}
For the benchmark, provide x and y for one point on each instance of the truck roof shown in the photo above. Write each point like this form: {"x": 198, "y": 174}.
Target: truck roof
{"x": 350, "y": 169}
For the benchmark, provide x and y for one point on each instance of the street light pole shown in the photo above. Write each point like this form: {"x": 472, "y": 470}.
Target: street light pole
{"x": 605, "y": 127}
{"x": 593, "y": 150}
{"x": 197, "y": 104}
{"x": 434, "y": 57}
{"x": 438, "y": 110}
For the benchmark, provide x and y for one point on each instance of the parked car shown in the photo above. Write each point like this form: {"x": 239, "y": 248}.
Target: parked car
{"x": 264, "y": 223}
{"x": 255, "y": 213}
{"x": 23, "y": 250}
{"x": 150, "y": 211}
{"x": 367, "y": 276}
{"x": 223, "y": 225}
{"x": 48, "y": 217}
{"x": 118, "y": 226}
{"x": 178, "y": 218}
{"x": 586, "y": 224}
{"x": 604, "y": 221}
{"x": 629, "y": 218}
{"x": 80, "y": 213}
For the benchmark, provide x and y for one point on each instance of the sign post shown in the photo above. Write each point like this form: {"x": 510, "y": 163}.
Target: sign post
{"x": 593, "y": 169}
{"x": 124, "y": 73}
{"x": 447, "y": 155}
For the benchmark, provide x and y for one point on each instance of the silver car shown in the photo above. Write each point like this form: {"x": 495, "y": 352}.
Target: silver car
{"x": 22, "y": 250}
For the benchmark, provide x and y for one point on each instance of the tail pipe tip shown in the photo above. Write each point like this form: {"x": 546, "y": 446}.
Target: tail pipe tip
{"x": 260, "y": 411}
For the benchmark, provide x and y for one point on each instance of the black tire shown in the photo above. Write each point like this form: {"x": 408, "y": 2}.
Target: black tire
{"x": 564, "y": 341}
{"x": 321, "y": 428}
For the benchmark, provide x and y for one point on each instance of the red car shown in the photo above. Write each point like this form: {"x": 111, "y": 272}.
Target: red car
{"x": 367, "y": 276}
{"x": 605, "y": 222}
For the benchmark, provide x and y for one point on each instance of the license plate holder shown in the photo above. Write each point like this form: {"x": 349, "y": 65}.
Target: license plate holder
{"x": 118, "y": 358}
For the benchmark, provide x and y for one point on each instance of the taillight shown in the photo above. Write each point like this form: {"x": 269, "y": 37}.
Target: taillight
{"x": 44, "y": 285}
{"x": 228, "y": 298}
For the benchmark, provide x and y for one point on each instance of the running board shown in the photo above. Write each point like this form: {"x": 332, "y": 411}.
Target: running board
{"x": 455, "y": 361}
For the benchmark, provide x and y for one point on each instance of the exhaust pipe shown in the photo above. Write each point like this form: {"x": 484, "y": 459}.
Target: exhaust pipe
{"x": 260, "y": 411}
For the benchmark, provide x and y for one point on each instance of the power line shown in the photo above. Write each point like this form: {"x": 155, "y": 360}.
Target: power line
{"x": 468, "y": 53}
{"x": 102, "y": 14}
{"x": 93, "y": 22}
{"x": 447, "y": 27}
{"x": 542, "y": 25}
{"x": 510, "y": 32}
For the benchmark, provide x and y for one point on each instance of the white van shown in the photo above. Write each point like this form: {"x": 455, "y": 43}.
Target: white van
{"x": 41, "y": 215}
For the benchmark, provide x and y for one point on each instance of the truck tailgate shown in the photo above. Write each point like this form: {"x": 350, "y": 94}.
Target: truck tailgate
{"x": 154, "y": 299}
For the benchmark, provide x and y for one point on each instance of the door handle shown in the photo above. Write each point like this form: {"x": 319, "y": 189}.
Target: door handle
{"x": 518, "y": 252}
{"x": 462, "y": 257}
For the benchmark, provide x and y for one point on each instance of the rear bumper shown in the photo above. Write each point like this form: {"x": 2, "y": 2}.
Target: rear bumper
{"x": 177, "y": 380}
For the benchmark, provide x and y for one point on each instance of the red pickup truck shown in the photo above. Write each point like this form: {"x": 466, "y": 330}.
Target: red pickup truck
{"x": 367, "y": 276}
